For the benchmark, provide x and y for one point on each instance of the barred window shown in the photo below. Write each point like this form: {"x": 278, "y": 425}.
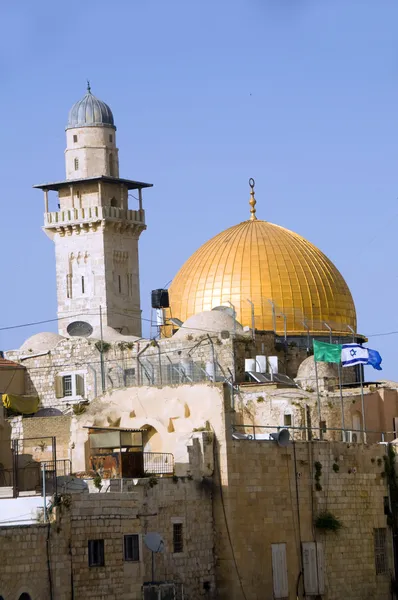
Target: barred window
{"x": 380, "y": 546}
{"x": 131, "y": 548}
{"x": 178, "y": 542}
{"x": 76, "y": 164}
{"x": 67, "y": 385}
{"x": 96, "y": 553}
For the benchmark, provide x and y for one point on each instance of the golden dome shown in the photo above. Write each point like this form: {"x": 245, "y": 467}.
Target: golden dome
{"x": 262, "y": 262}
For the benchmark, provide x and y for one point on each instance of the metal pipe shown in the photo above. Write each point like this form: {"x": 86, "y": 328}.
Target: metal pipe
{"x": 352, "y": 331}
{"x": 363, "y": 406}
{"x": 318, "y": 399}
{"x": 330, "y": 331}
{"x": 273, "y": 314}
{"x": 234, "y": 315}
{"x": 102, "y": 353}
{"x": 253, "y": 319}
{"x": 43, "y": 466}
{"x": 213, "y": 356}
{"x": 342, "y": 403}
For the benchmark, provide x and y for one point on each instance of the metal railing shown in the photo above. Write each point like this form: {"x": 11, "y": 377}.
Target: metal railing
{"x": 158, "y": 463}
{"x": 61, "y": 467}
{"x": 314, "y": 433}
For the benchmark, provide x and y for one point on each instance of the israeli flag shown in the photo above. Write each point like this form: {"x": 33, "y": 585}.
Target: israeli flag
{"x": 354, "y": 354}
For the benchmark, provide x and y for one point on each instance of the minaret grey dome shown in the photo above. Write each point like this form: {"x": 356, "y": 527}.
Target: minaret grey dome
{"x": 90, "y": 112}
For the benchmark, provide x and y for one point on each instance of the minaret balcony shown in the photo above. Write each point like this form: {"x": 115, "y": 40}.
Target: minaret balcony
{"x": 76, "y": 220}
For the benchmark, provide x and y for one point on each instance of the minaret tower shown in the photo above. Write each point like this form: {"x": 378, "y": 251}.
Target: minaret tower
{"x": 94, "y": 231}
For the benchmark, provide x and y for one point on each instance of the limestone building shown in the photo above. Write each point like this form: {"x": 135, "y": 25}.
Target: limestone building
{"x": 94, "y": 231}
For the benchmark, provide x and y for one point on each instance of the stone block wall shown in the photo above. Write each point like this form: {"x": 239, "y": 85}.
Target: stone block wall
{"x": 108, "y": 517}
{"x": 267, "y": 495}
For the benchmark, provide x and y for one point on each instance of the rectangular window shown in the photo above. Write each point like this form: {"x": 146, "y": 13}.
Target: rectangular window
{"x": 129, "y": 377}
{"x": 76, "y": 164}
{"x": 67, "y": 385}
{"x": 132, "y": 548}
{"x": 380, "y": 547}
{"x": 178, "y": 542}
{"x": 120, "y": 284}
{"x": 67, "y": 286}
{"x": 287, "y": 420}
{"x": 75, "y": 138}
{"x": 111, "y": 138}
{"x": 96, "y": 553}
{"x": 82, "y": 285}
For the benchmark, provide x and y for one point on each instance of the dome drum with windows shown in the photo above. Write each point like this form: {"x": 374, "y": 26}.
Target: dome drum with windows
{"x": 290, "y": 283}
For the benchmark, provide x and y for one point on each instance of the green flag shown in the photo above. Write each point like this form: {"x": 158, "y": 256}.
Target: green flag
{"x": 324, "y": 352}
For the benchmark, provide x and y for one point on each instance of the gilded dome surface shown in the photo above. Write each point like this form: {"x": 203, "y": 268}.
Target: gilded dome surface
{"x": 90, "y": 112}
{"x": 262, "y": 262}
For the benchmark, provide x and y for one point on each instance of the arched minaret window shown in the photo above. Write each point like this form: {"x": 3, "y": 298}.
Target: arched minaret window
{"x": 113, "y": 202}
{"x": 111, "y": 171}
{"x": 76, "y": 164}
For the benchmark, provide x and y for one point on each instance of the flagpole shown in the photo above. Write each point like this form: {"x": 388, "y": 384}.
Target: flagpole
{"x": 342, "y": 403}
{"x": 363, "y": 405}
{"x": 318, "y": 398}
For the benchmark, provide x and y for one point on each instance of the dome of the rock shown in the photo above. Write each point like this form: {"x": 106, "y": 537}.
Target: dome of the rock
{"x": 287, "y": 278}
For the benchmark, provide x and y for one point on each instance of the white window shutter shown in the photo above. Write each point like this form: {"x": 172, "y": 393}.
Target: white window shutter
{"x": 310, "y": 568}
{"x": 79, "y": 385}
{"x": 321, "y": 567}
{"x": 279, "y": 571}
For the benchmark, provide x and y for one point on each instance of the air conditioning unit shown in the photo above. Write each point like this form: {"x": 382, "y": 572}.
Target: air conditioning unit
{"x": 352, "y": 437}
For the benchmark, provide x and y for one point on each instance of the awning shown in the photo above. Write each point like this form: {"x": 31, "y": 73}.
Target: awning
{"x": 24, "y": 405}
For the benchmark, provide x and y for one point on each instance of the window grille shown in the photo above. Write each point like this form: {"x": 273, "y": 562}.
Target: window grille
{"x": 76, "y": 164}
{"x": 178, "y": 542}
{"x": 131, "y": 548}
{"x": 96, "y": 553}
{"x": 67, "y": 385}
{"x": 380, "y": 546}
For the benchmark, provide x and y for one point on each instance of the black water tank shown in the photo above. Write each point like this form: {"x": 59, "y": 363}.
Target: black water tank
{"x": 160, "y": 299}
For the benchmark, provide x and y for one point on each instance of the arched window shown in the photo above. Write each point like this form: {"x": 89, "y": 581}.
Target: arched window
{"x": 76, "y": 164}
{"x": 113, "y": 202}
{"x": 25, "y": 596}
{"x": 111, "y": 171}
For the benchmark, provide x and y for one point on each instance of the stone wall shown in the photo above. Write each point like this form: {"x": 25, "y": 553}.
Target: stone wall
{"x": 109, "y": 517}
{"x": 268, "y": 496}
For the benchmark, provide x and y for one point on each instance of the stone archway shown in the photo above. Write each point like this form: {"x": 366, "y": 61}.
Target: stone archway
{"x": 152, "y": 439}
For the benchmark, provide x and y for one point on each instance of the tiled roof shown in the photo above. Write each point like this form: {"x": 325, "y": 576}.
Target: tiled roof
{"x": 9, "y": 364}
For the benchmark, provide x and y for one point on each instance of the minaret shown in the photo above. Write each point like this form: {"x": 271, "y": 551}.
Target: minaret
{"x": 94, "y": 231}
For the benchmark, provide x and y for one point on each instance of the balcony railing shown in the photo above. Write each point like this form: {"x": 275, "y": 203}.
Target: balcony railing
{"x": 158, "y": 463}
{"x": 92, "y": 214}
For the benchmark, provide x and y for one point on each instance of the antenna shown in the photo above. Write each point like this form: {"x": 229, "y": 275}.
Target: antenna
{"x": 154, "y": 542}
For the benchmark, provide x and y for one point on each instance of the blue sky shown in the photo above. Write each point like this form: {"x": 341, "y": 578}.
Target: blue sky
{"x": 299, "y": 94}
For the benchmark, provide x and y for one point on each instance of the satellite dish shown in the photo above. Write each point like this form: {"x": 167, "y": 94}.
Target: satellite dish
{"x": 226, "y": 309}
{"x": 79, "y": 329}
{"x": 154, "y": 542}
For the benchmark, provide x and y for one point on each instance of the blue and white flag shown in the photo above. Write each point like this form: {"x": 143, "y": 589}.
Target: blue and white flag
{"x": 374, "y": 359}
{"x": 354, "y": 354}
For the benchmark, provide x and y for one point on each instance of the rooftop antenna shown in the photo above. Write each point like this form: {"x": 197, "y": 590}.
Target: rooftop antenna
{"x": 154, "y": 542}
{"x": 88, "y": 86}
